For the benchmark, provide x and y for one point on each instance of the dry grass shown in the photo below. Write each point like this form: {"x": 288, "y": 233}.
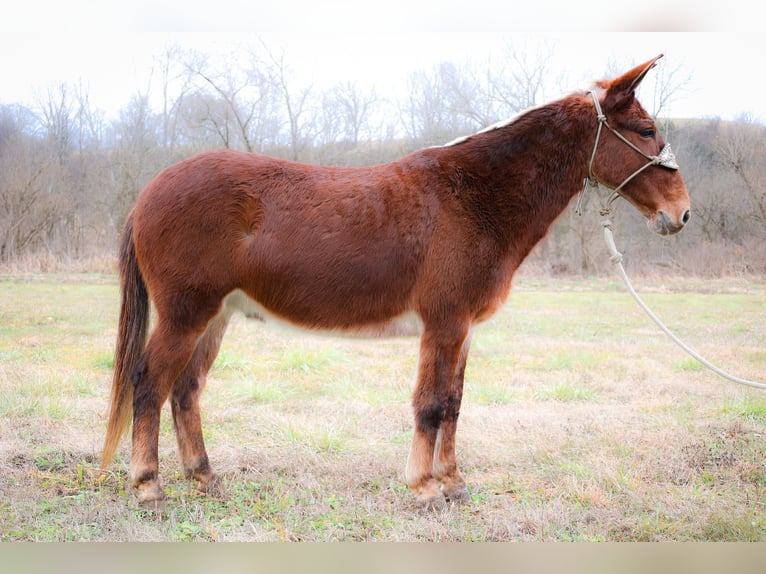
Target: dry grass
{"x": 580, "y": 422}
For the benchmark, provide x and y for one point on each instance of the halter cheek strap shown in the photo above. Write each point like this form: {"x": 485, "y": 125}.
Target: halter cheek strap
{"x": 665, "y": 158}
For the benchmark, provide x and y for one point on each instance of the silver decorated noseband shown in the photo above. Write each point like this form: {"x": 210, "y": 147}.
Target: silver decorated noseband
{"x": 666, "y": 157}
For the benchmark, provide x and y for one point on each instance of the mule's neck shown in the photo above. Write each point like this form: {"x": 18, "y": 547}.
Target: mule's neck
{"x": 522, "y": 175}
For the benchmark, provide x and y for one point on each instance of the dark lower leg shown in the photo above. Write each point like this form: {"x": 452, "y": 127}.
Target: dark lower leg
{"x": 445, "y": 461}
{"x": 439, "y": 358}
{"x": 144, "y": 461}
{"x": 162, "y": 362}
{"x": 185, "y": 404}
{"x": 188, "y": 426}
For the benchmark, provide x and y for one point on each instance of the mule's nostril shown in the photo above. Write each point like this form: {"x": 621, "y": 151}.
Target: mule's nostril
{"x": 686, "y": 217}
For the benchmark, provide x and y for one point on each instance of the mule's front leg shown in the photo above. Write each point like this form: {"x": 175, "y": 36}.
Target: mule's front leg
{"x": 445, "y": 461}
{"x": 445, "y": 464}
{"x": 440, "y": 351}
{"x": 419, "y": 467}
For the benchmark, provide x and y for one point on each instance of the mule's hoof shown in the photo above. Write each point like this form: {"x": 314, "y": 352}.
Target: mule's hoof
{"x": 156, "y": 506}
{"x": 150, "y": 494}
{"x": 459, "y": 494}
{"x": 212, "y": 485}
{"x": 435, "y": 503}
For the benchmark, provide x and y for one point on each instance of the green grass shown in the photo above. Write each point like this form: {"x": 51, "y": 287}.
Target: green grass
{"x": 749, "y": 406}
{"x": 303, "y": 359}
{"x": 580, "y": 422}
{"x": 565, "y": 392}
{"x": 688, "y": 364}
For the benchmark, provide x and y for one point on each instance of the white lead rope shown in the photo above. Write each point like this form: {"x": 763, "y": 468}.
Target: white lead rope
{"x": 667, "y": 160}
{"x": 616, "y": 258}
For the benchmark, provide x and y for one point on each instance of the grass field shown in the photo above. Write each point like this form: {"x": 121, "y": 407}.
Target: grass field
{"x": 581, "y": 421}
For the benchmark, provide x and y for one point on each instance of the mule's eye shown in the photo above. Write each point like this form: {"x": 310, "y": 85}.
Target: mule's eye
{"x": 647, "y": 133}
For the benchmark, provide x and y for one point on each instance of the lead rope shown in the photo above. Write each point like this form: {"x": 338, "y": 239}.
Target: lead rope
{"x": 666, "y": 159}
{"x": 616, "y": 258}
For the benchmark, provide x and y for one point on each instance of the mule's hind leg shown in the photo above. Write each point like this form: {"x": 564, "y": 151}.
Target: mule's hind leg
{"x": 440, "y": 351}
{"x": 184, "y": 403}
{"x": 445, "y": 462}
{"x": 169, "y": 350}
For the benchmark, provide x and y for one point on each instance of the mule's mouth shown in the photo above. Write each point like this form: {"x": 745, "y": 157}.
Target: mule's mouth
{"x": 663, "y": 224}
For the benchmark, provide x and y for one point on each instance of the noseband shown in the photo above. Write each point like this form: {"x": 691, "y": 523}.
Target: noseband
{"x": 665, "y": 158}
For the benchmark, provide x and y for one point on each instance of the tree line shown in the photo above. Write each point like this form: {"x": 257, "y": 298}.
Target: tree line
{"x": 69, "y": 174}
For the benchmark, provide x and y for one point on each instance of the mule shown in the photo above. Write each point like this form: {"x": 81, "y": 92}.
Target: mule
{"x": 425, "y": 244}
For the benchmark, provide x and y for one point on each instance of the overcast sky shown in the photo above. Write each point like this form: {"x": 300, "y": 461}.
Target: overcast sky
{"x": 109, "y": 47}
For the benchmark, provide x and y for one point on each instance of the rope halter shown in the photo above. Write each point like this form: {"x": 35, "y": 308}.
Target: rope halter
{"x": 665, "y": 158}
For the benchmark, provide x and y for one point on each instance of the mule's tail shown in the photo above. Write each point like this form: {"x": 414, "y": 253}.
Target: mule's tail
{"x": 131, "y": 340}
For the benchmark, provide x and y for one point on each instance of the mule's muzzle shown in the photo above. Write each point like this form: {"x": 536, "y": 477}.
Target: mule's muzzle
{"x": 665, "y": 224}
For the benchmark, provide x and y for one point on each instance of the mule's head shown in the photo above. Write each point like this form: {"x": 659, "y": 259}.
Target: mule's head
{"x": 631, "y": 156}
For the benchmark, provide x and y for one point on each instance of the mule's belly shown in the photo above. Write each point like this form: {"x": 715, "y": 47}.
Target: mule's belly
{"x": 407, "y": 324}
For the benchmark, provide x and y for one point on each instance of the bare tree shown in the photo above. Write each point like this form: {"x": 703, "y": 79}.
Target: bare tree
{"x": 27, "y": 210}
{"x": 57, "y": 111}
{"x": 343, "y": 130}
{"x": 669, "y": 84}
{"x": 738, "y": 151}
{"x": 135, "y": 157}
{"x": 174, "y": 85}
{"x": 439, "y": 105}
{"x": 520, "y": 82}
{"x": 482, "y": 107}
{"x": 355, "y": 108}
{"x": 294, "y": 100}
{"x": 246, "y": 101}
{"x": 89, "y": 123}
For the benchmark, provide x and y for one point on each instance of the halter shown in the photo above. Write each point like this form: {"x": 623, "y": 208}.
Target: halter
{"x": 665, "y": 158}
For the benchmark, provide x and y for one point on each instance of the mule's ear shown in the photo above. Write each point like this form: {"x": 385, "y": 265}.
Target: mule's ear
{"x": 637, "y": 74}
{"x": 622, "y": 89}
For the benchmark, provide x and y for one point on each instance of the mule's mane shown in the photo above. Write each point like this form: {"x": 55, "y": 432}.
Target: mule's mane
{"x": 499, "y": 124}
{"x": 489, "y": 128}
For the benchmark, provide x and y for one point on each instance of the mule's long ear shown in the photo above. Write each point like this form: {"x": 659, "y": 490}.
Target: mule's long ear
{"x": 639, "y": 72}
{"x": 622, "y": 89}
